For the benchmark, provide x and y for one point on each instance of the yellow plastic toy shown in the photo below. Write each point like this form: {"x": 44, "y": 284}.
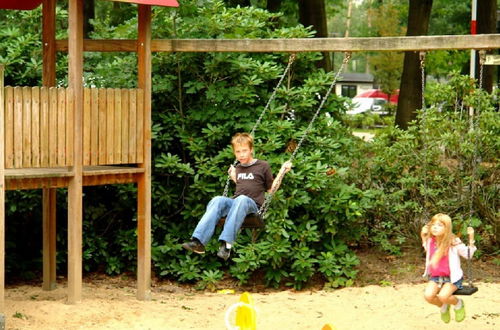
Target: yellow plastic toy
{"x": 246, "y": 317}
{"x": 328, "y": 326}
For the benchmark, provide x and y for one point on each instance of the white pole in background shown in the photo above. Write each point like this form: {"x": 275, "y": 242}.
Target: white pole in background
{"x": 473, "y": 30}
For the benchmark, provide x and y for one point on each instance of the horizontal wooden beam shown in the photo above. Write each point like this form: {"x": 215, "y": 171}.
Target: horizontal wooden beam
{"x": 398, "y": 44}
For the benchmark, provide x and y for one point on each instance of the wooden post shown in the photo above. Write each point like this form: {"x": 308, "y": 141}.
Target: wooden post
{"x": 49, "y": 239}
{"x": 2, "y": 204}
{"x": 75, "y": 73}
{"x": 49, "y": 194}
{"x": 144, "y": 182}
{"x": 49, "y": 42}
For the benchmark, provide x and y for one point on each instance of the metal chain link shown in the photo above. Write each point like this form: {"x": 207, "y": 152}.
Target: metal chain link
{"x": 472, "y": 188}
{"x": 279, "y": 178}
{"x": 424, "y": 135}
{"x": 291, "y": 59}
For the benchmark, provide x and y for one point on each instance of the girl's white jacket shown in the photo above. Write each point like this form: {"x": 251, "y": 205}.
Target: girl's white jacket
{"x": 456, "y": 250}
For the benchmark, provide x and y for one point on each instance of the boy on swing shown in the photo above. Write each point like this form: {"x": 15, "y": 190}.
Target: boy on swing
{"x": 253, "y": 177}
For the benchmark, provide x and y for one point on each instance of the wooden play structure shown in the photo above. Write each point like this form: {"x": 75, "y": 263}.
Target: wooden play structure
{"x": 70, "y": 137}
{"x": 55, "y": 137}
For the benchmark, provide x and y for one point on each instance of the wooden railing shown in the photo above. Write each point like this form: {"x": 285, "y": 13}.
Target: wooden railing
{"x": 39, "y": 127}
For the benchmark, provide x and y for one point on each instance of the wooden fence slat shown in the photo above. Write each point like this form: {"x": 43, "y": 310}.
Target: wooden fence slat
{"x": 102, "y": 126}
{"x": 61, "y": 127}
{"x": 9, "y": 127}
{"x": 117, "y": 157}
{"x": 70, "y": 126}
{"x": 18, "y": 127}
{"x": 35, "y": 127}
{"x": 125, "y": 125}
{"x": 44, "y": 127}
{"x": 26, "y": 126}
{"x": 94, "y": 127}
{"x": 140, "y": 126}
{"x": 133, "y": 126}
{"x": 110, "y": 102}
{"x": 53, "y": 132}
{"x": 86, "y": 125}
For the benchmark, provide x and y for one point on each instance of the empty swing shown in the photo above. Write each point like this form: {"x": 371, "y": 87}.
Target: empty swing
{"x": 256, "y": 220}
{"x": 469, "y": 289}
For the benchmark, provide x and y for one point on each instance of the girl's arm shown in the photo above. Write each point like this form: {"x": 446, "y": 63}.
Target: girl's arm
{"x": 467, "y": 251}
{"x": 424, "y": 235}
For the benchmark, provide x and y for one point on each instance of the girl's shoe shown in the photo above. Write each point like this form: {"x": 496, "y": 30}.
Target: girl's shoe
{"x": 446, "y": 315}
{"x": 460, "y": 313}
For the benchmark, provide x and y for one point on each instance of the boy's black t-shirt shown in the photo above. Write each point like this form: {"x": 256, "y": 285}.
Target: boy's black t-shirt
{"x": 253, "y": 180}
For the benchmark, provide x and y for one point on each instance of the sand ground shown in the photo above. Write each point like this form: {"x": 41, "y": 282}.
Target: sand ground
{"x": 110, "y": 305}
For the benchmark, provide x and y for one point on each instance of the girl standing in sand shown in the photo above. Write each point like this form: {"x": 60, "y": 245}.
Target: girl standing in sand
{"x": 442, "y": 265}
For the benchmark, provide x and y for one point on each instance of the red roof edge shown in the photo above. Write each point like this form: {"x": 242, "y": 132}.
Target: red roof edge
{"x": 32, "y": 4}
{"x": 20, "y": 5}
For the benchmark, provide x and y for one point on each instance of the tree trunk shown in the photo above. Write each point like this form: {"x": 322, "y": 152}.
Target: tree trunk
{"x": 486, "y": 23}
{"x": 313, "y": 12}
{"x": 273, "y": 5}
{"x": 88, "y": 14}
{"x": 241, "y": 3}
{"x": 410, "y": 95}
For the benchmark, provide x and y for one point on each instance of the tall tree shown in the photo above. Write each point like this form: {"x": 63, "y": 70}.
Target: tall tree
{"x": 313, "y": 13}
{"x": 410, "y": 95}
{"x": 387, "y": 66}
{"x": 241, "y": 3}
{"x": 486, "y": 23}
{"x": 273, "y": 5}
{"x": 88, "y": 14}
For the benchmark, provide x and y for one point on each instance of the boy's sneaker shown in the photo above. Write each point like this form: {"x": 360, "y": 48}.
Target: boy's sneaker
{"x": 446, "y": 315}
{"x": 195, "y": 246}
{"x": 460, "y": 313}
{"x": 224, "y": 252}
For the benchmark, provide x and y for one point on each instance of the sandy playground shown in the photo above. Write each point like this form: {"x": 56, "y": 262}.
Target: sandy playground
{"x": 112, "y": 306}
{"x": 387, "y": 295}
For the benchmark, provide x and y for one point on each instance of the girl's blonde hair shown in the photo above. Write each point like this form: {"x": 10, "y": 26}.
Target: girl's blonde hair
{"x": 242, "y": 138}
{"x": 444, "y": 243}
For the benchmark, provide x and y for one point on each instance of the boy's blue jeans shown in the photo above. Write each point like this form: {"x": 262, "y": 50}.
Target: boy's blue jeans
{"x": 235, "y": 210}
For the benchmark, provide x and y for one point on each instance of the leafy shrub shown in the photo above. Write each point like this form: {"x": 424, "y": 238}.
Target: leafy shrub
{"x": 437, "y": 174}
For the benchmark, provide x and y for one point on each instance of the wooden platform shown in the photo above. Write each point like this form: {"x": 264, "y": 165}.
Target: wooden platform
{"x": 58, "y": 177}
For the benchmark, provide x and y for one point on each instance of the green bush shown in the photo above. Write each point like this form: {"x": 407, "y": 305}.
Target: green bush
{"x": 340, "y": 193}
{"x": 428, "y": 168}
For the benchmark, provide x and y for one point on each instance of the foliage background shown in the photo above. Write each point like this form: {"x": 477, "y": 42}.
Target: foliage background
{"x": 341, "y": 195}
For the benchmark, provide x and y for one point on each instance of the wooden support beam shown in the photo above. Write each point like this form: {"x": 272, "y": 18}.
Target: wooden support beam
{"x": 49, "y": 239}
{"x": 49, "y": 42}
{"x": 144, "y": 182}
{"x": 75, "y": 74}
{"x": 397, "y": 44}
{"x": 49, "y": 194}
{"x": 2, "y": 203}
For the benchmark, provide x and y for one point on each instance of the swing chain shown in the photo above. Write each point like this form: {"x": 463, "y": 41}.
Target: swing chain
{"x": 291, "y": 59}
{"x": 482, "y": 60}
{"x": 279, "y": 178}
{"x": 347, "y": 57}
{"x": 473, "y": 123}
{"x": 424, "y": 136}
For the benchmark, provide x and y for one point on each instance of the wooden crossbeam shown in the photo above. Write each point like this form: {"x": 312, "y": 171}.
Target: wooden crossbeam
{"x": 414, "y": 43}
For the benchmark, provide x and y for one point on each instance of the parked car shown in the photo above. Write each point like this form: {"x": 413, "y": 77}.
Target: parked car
{"x": 367, "y": 104}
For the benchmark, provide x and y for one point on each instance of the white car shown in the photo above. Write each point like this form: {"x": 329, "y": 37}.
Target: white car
{"x": 367, "y": 104}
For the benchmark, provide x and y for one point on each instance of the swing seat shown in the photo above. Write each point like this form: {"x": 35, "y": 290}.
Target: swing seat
{"x": 466, "y": 290}
{"x": 252, "y": 221}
